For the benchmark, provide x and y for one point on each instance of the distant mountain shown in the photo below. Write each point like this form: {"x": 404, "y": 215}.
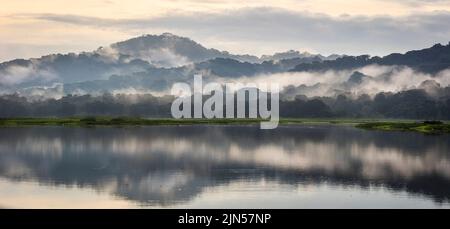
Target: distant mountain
{"x": 168, "y": 50}
{"x": 138, "y": 55}
{"x": 66, "y": 68}
{"x": 226, "y": 67}
{"x": 152, "y": 63}
{"x": 430, "y": 60}
{"x": 285, "y": 55}
{"x": 159, "y": 79}
{"x": 292, "y": 54}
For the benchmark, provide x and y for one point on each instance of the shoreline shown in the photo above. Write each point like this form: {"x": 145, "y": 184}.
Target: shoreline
{"x": 367, "y": 124}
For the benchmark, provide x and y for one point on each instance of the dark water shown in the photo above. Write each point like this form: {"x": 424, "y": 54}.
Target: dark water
{"x": 222, "y": 167}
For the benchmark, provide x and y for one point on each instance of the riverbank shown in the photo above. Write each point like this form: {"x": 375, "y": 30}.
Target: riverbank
{"x": 117, "y": 121}
{"x": 131, "y": 121}
{"x": 422, "y": 127}
{"x": 368, "y": 124}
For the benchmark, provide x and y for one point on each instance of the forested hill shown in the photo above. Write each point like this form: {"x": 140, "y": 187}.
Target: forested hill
{"x": 430, "y": 60}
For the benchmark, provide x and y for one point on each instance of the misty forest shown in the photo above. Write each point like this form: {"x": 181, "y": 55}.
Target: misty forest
{"x": 134, "y": 78}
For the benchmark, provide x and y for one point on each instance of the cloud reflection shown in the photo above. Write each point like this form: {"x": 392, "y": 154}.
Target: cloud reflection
{"x": 163, "y": 166}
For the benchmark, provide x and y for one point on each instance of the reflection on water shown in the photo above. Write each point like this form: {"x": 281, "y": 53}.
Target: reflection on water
{"x": 222, "y": 167}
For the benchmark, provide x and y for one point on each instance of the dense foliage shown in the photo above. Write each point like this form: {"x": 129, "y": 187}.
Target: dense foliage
{"x": 411, "y": 104}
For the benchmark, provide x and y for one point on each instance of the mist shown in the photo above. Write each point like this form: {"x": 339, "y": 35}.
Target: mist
{"x": 331, "y": 83}
{"x": 17, "y": 74}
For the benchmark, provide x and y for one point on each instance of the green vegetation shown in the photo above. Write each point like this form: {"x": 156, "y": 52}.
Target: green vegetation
{"x": 427, "y": 127}
{"x": 134, "y": 121}
{"x": 117, "y": 121}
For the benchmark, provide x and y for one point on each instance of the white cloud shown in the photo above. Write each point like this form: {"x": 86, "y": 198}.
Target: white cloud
{"x": 265, "y": 30}
{"x": 329, "y": 83}
{"x": 17, "y": 74}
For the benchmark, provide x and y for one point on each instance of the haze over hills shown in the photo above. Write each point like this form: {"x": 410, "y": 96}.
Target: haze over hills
{"x": 134, "y": 55}
{"x": 168, "y": 50}
{"x": 151, "y": 64}
{"x": 149, "y": 55}
{"x": 430, "y": 60}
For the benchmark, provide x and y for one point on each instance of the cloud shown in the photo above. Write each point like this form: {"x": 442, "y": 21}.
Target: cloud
{"x": 39, "y": 93}
{"x": 421, "y": 2}
{"x": 163, "y": 57}
{"x": 275, "y": 28}
{"x": 332, "y": 83}
{"x": 16, "y": 74}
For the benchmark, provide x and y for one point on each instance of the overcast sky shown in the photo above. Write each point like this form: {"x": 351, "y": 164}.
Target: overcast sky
{"x": 31, "y": 28}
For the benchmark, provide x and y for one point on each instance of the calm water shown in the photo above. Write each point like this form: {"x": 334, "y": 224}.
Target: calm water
{"x": 222, "y": 167}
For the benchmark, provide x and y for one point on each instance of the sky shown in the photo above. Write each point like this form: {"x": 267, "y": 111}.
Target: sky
{"x": 32, "y": 28}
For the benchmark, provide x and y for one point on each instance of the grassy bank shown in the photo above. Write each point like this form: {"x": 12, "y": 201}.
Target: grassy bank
{"x": 130, "y": 121}
{"x": 121, "y": 121}
{"x": 422, "y": 127}
{"x": 369, "y": 124}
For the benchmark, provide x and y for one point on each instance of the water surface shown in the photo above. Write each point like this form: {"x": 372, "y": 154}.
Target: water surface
{"x": 222, "y": 167}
